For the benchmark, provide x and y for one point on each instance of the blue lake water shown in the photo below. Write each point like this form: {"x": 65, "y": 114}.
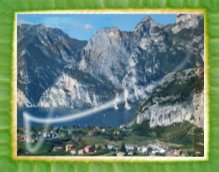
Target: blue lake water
{"x": 109, "y": 117}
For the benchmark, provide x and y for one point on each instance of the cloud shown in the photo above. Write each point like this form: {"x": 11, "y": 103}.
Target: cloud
{"x": 64, "y": 23}
{"x": 88, "y": 26}
{"x": 53, "y": 22}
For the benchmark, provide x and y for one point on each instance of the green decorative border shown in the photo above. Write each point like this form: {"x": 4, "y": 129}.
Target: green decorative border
{"x": 101, "y": 158}
{"x": 7, "y": 15}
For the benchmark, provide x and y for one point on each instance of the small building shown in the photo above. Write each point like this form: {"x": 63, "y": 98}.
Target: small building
{"x": 177, "y": 152}
{"x": 142, "y": 150}
{"x": 49, "y": 135}
{"x": 81, "y": 152}
{"x": 44, "y": 134}
{"x": 74, "y": 152}
{"x": 103, "y": 130}
{"x": 130, "y": 147}
{"x": 69, "y": 147}
{"x": 116, "y": 132}
{"x": 130, "y": 153}
{"x": 197, "y": 153}
{"x": 173, "y": 153}
{"x": 162, "y": 151}
{"x": 57, "y": 148}
{"x": 99, "y": 146}
{"x": 21, "y": 138}
{"x": 120, "y": 154}
{"x": 29, "y": 140}
{"x": 169, "y": 153}
{"x": 91, "y": 133}
{"x": 88, "y": 149}
{"x": 110, "y": 146}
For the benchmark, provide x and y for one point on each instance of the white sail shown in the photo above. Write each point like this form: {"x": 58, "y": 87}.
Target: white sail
{"x": 126, "y": 94}
{"x": 116, "y": 102}
{"x": 95, "y": 100}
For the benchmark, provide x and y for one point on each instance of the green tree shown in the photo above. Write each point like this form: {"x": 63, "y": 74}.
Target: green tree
{"x": 123, "y": 149}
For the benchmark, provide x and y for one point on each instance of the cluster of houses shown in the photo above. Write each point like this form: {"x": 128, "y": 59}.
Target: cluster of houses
{"x": 111, "y": 148}
{"x": 35, "y": 135}
{"x": 60, "y": 133}
{"x": 71, "y": 149}
{"x": 113, "y": 134}
{"x": 129, "y": 150}
{"x": 103, "y": 131}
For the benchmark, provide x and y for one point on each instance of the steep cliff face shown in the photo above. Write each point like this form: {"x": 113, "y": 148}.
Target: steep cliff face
{"x": 186, "y": 22}
{"x": 22, "y": 100}
{"x": 161, "y": 51}
{"x": 106, "y": 54}
{"x": 42, "y": 53}
{"x": 178, "y": 97}
{"x": 75, "y": 89}
{"x": 158, "y": 66}
{"x": 158, "y": 51}
{"x": 67, "y": 92}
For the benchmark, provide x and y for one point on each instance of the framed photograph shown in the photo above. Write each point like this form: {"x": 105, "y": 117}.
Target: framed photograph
{"x": 103, "y": 85}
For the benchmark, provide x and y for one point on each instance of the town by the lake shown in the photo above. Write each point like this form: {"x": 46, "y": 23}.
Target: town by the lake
{"x": 98, "y": 141}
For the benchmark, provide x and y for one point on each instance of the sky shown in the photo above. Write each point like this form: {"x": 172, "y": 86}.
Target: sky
{"x": 83, "y": 26}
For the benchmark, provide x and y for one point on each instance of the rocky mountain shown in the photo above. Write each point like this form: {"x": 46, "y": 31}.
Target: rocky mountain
{"x": 76, "y": 89}
{"x": 42, "y": 53}
{"x": 114, "y": 62}
{"x": 177, "y": 97}
{"x": 106, "y": 55}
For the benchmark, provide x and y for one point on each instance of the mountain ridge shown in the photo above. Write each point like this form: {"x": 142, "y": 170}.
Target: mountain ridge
{"x": 87, "y": 74}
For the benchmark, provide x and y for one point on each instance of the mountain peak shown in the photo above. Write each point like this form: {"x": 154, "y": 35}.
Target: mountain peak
{"x": 183, "y": 17}
{"x": 107, "y": 33}
{"x": 109, "y": 30}
{"x": 187, "y": 21}
{"x": 145, "y": 25}
{"x": 42, "y": 28}
{"x": 147, "y": 19}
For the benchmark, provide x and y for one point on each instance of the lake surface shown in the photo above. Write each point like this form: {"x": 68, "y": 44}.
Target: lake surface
{"x": 109, "y": 117}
